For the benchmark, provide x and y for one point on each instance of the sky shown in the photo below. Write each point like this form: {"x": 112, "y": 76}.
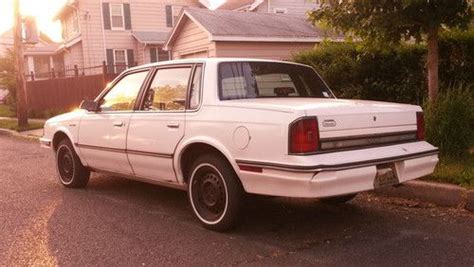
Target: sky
{"x": 44, "y": 11}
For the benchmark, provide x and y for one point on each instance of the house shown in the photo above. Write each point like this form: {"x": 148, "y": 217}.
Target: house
{"x": 125, "y": 33}
{"x": 226, "y": 33}
{"x": 40, "y": 59}
{"x": 122, "y": 33}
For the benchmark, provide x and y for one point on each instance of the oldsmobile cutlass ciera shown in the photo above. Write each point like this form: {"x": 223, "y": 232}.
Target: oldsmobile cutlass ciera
{"x": 220, "y": 128}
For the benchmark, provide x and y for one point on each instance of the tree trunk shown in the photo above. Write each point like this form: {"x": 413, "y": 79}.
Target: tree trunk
{"x": 21, "y": 110}
{"x": 433, "y": 64}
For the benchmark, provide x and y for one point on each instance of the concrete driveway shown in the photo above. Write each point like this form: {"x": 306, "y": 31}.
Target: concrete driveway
{"x": 121, "y": 222}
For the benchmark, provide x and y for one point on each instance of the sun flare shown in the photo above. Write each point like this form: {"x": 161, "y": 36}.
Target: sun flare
{"x": 42, "y": 10}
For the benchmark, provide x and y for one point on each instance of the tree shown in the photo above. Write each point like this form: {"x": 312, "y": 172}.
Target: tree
{"x": 8, "y": 75}
{"x": 392, "y": 21}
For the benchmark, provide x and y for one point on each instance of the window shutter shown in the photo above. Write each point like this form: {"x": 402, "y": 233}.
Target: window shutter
{"x": 106, "y": 15}
{"x": 127, "y": 17}
{"x": 110, "y": 61}
{"x": 169, "y": 16}
{"x": 153, "y": 55}
{"x": 130, "y": 58}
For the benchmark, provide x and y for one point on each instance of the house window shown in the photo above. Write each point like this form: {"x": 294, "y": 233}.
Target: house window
{"x": 176, "y": 11}
{"x": 116, "y": 16}
{"x": 120, "y": 59}
{"x": 280, "y": 10}
{"x": 157, "y": 54}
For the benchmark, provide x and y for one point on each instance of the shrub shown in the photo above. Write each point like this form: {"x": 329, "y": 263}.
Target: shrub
{"x": 390, "y": 73}
{"x": 450, "y": 121}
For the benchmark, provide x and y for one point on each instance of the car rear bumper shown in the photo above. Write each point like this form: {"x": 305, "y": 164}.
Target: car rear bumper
{"x": 326, "y": 180}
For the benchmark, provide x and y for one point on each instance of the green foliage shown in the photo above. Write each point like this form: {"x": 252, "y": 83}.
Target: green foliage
{"x": 5, "y": 111}
{"x": 455, "y": 171}
{"x": 13, "y": 125}
{"x": 7, "y": 76}
{"x": 390, "y": 73}
{"x": 390, "y": 21}
{"x": 450, "y": 121}
{"x": 456, "y": 50}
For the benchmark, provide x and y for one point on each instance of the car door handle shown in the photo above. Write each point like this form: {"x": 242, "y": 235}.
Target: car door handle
{"x": 173, "y": 125}
{"x": 118, "y": 123}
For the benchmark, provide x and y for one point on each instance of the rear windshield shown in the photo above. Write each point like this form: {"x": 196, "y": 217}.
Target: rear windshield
{"x": 243, "y": 80}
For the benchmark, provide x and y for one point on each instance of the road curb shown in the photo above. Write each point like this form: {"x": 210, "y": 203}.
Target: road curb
{"x": 445, "y": 195}
{"x": 17, "y": 134}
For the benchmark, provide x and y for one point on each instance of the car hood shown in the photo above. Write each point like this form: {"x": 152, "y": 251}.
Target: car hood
{"x": 70, "y": 116}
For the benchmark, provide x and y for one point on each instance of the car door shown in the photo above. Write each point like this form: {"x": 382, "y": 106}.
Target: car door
{"x": 102, "y": 134}
{"x": 156, "y": 129}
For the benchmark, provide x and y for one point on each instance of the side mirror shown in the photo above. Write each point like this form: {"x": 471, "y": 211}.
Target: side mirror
{"x": 90, "y": 105}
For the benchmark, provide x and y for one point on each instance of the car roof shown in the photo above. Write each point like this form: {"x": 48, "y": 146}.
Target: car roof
{"x": 209, "y": 60}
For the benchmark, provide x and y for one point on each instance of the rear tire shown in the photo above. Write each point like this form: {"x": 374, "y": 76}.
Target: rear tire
{"x": 215, "y": 193}
{"x": 70, "y": 170}
{"x": 338, "y": 199}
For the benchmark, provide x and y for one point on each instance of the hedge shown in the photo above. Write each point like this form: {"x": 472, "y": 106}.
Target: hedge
{"x": 390, "y": 74}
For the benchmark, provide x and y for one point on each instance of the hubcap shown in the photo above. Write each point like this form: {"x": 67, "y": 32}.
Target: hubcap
{"x": 65, "y": 164}
{"x": 208, "y": 193}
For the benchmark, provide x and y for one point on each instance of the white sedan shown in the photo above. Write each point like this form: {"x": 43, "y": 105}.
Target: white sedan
{"x": 220, "y": 128}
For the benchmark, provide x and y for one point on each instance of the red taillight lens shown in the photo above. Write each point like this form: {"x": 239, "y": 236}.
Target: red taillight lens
{"x": 304, "y": 136}
{"x": 420, "y": 126}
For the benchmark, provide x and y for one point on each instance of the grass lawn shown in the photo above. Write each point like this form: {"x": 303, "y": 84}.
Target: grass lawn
{"x": 12, "y": 125}
{"x": 459, "y": 171}
{"x": 5, "y": 111}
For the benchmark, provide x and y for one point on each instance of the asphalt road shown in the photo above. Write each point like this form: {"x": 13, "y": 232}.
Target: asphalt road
{"x": 121, "y": 222}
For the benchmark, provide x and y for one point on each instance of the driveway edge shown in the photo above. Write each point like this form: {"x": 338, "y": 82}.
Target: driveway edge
{"x": 445, "y": 195}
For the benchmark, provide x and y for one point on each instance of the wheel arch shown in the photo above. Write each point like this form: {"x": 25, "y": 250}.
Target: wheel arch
{"x": 188, "y": 149}
{"x": 59, "y": 135}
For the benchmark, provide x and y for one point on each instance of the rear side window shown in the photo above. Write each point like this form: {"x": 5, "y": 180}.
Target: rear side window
{"x": 243, "y": 80}
{"x": 168, "y": 90}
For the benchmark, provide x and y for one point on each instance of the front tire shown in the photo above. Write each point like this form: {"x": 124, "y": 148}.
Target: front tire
{"x": 70, "y": 170}
{"x": 215, "y": 193}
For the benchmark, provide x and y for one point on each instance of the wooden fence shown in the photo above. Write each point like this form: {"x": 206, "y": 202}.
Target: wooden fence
{"x": 64, "y": 93}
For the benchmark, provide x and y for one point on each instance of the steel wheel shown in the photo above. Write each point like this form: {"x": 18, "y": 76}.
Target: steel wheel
{"x": 209, "y": 198}
{"x": 215, "y": 192}
{"x": 70, "y": 170}
{"x": 65, "y": 164}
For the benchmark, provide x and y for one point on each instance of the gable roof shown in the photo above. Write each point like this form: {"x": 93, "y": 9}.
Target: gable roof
{"x": 226, "y": 25}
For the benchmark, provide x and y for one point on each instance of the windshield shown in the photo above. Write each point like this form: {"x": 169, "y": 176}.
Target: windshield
{"x": 243, "y": 80}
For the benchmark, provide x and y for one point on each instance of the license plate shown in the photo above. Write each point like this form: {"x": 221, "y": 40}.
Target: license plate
{"x": 386, "y": 176}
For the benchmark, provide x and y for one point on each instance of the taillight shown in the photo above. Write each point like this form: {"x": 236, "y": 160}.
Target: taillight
{"x": 420, "y": 126}
{"x": 304, "y": 136}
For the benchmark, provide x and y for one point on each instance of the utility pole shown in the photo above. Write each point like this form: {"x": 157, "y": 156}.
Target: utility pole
{"x": 21, "y": 110}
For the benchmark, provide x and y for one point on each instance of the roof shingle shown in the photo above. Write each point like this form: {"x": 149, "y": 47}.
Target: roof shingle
{"x": 252, "y": 24}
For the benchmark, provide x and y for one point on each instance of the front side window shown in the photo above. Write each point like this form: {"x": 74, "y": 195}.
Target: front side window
{"x": 242, "y": 80}
{"x": 116, "y": 16}
{"x": 123, "y": 95}
{"x": 168, "y": 90}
